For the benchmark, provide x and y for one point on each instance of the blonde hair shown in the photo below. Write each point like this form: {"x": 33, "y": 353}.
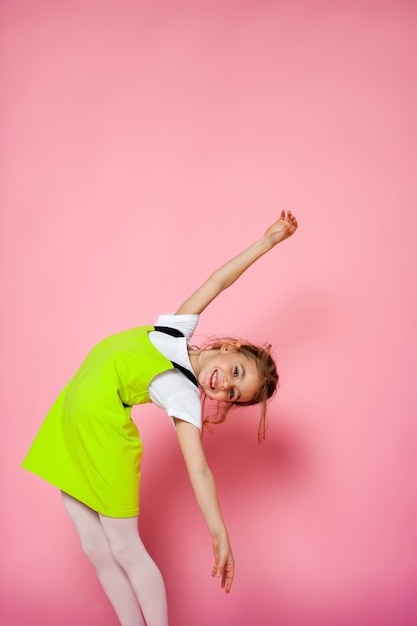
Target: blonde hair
{"x": 268, "y": 382}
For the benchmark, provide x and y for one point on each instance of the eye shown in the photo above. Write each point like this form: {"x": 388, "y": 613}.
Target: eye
{"x": 235, "y": 372}
{"x": 231, "y": 394}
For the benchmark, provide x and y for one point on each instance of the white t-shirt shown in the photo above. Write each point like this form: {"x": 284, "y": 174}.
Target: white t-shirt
{"x": 172, "y": 390}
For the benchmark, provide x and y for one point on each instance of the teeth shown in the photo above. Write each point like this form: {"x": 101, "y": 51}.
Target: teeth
{"x": 213, "y": 379}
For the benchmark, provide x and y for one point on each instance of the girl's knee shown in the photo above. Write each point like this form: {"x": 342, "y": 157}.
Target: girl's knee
{"x": 124, "y": 553}
{"x": 129, "y": 552}
{"x": 124, "y": 541}
{"x": 96, "y": 549}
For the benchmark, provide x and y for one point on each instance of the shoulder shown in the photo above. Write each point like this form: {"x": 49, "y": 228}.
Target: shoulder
{"x": 176, "y": 395}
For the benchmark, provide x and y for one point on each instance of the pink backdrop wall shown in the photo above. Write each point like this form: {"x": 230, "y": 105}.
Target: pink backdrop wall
{"x": 145, "y": 143}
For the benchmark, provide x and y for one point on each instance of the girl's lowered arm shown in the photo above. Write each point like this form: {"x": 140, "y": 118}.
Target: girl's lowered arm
{"x": 204, "y": 488}
{"x": 228, "y": 273}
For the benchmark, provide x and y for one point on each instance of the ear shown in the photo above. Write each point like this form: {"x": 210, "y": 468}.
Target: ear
{"x": 231, "y": 346}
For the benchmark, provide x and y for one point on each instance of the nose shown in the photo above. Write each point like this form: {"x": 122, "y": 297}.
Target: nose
{"x": 225, "y": 384}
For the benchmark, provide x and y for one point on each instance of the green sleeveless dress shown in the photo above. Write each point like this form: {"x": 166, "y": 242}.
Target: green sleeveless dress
{"x": 88, "y": 446}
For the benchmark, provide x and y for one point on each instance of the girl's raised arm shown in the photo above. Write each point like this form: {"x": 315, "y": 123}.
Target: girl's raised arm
{"x": 228, "y": 273}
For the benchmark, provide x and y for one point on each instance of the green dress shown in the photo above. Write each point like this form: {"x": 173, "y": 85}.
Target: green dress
{"x": 88, "y": 445}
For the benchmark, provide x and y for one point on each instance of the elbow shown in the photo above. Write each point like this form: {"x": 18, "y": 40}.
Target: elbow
{"x": 201, "y": 470}
{"x": 200, "y": 475}
{"x": 219, "y": 284}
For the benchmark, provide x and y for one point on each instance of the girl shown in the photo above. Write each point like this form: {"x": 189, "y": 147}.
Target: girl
{"x": 89, "y": 447}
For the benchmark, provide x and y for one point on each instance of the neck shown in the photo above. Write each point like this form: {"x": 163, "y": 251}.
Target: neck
{"x": 194, "y": 356}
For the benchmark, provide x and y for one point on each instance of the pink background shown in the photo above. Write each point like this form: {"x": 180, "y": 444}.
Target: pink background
{"x": 145, "y": 143}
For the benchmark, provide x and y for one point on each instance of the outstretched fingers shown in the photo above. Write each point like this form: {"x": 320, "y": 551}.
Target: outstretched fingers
{"x": 224, "y": 568}
{"x": 228, "y": 575}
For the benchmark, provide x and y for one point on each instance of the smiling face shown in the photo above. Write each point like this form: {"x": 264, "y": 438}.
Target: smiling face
{"x": 227, "y": 375}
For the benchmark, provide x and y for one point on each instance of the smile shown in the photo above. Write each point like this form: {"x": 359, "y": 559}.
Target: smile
{"x": 213, "y": 380}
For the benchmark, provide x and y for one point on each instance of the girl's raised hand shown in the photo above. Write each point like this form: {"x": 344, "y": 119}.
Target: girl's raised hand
{"x": 282, "y": 228}
{"x": 228, "y": 273}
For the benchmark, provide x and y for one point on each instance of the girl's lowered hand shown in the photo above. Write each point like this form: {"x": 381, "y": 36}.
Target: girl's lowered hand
{"x": 224, "y": 563}
{"x": 282, "y": 228}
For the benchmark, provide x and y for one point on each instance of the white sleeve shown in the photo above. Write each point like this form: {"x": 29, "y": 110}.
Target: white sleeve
{"x": 171, "y": 390}
{"x": 178, "y": 396}
{"x": 185, "y": 323}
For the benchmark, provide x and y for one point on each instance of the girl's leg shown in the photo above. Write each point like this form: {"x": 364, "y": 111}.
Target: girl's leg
{"x": 145, "y": 577}
{"x": 111, "y": 576}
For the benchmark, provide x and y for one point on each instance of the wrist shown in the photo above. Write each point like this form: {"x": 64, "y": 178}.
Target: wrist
{"x": 265, "y": 244}
{"x": 220, "y": 534}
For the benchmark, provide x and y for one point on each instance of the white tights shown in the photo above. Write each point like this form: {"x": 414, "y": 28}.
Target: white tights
{"x": 128, "y": 575}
